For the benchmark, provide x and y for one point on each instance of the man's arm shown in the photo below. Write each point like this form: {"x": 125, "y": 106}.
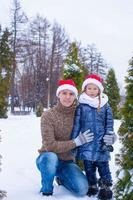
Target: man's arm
{"x": 49, "y": 143}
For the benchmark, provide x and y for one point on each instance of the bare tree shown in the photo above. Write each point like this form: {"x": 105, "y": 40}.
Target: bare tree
{"x": 89, "y": 57}
{"x": 45, "y": 48}
{"x": 59, "y": 46}
{"x": 93, "y": 60}
{"x": 100, "y": 65}
{"x": 39, "y": 32}
{"x": 17, "y": 18}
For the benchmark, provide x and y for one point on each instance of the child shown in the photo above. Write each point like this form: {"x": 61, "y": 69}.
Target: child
{"x": 94, "y": 113}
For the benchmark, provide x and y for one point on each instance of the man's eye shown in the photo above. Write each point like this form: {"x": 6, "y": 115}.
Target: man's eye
{"x": 71, "y": 94}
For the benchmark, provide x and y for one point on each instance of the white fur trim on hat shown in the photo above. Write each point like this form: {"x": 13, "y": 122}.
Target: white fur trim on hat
{"x": 67, "y": 87}
{"x": 94, "y": 81}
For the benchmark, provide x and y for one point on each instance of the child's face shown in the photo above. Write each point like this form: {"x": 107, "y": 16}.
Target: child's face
{"x": 92, "y": 90}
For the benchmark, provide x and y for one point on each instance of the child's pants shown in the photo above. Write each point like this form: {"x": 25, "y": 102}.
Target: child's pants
{"x": 103, "y": 169}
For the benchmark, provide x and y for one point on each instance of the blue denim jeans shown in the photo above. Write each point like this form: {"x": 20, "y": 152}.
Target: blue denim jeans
{"x": 103, "y": 169}
{"x": 68, "y": 172}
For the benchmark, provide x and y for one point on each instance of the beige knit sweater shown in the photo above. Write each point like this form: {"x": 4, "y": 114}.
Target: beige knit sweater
{"x": 56, "y": 127}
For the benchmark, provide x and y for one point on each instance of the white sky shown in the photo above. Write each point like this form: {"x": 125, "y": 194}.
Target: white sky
{"x": 107, "y": 23}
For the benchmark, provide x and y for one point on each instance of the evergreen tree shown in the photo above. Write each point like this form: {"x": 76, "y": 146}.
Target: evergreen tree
{"x": 39, "y": 110}
{"x": 5, "y": 72}
{"x": 72, "y": 66}
{"x": 112, "y": 90}
{"x": 74, "y": 70}
{"x": 124, "y": 186}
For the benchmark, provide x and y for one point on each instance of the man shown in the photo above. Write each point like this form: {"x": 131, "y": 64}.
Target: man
{"x": 55, "y": 159}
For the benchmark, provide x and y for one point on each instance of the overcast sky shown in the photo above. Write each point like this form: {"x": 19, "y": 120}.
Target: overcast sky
{"x": 106, "y": 23}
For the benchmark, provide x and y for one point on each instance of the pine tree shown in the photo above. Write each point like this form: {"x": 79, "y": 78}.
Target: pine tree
{"x": 112, "y": 90}
{"x": 124, "y": 186}
{"x": 39, "y": 110}
{"x": 5, "y": 72}
{"x": 73, "y": 68}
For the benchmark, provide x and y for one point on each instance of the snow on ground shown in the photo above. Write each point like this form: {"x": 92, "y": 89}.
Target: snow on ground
{"x": 21, "y": 139}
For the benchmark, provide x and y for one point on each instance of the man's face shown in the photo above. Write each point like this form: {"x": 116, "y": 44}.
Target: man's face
{"x": 66, "y": 97}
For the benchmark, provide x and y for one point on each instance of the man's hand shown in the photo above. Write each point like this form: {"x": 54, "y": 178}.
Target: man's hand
{"x": 110, "y": 138}
{"x": 83, "y": 138}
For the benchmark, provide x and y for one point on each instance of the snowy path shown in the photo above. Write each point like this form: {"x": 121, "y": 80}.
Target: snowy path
{"x": 19, "y": 177}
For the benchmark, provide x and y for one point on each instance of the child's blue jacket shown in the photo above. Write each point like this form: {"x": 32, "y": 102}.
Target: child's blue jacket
{"x": 100, "y": 123}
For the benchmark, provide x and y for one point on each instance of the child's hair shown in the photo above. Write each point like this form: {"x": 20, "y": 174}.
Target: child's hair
{"x": 98, "y": 108}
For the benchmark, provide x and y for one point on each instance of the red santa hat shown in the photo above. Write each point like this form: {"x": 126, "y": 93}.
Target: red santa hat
{"x": 66, "y": 84}
{"x": 95, "y": 79}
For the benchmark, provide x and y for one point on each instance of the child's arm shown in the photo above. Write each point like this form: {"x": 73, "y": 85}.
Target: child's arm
{"x": 109, "y": 123}
{"x": 110, "y": 136}
{"x": 78, "y": 137}
{"x": 77, "y": 123}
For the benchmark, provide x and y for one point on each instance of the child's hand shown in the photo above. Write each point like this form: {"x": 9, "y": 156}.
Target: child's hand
{"x": 109, "y": 138}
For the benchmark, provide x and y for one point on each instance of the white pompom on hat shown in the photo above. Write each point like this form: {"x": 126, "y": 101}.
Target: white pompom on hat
{"x": 67, "y": 85}
{"x": 95, "y": 79}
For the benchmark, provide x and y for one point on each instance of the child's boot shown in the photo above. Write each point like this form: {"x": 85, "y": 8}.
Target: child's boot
{"x": 105, "y": 193}
{"x": 93, "y": 190}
